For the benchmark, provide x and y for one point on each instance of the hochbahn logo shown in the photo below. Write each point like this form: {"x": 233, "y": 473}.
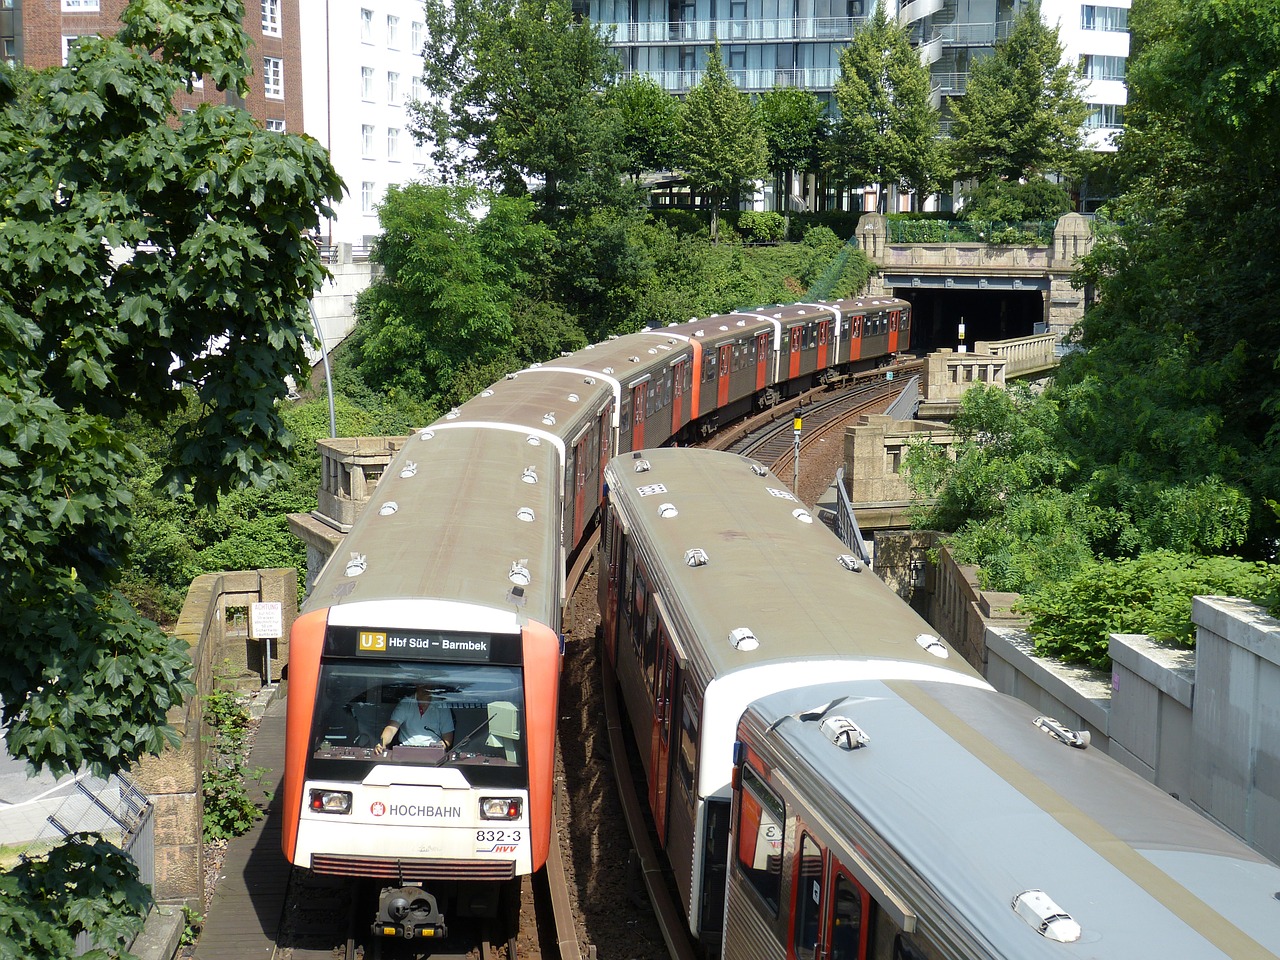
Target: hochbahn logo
{"x": 378, "y": 808}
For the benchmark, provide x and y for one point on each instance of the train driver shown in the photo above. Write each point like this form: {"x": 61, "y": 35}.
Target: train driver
{"x": 421, "y": 721}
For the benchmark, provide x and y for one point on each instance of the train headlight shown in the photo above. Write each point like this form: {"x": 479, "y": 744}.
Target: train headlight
{"x": 500, "y": 808}
{"x": 330, "y": 801}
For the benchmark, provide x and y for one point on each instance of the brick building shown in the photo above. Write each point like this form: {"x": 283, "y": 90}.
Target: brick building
{"x": 38, "y": 33}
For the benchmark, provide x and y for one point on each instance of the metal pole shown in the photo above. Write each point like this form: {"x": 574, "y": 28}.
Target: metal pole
{"x": 795, "y": 459}
{"x": 328, "y": 377}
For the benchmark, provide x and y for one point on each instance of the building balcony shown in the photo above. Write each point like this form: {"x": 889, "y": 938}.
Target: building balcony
{"x": 750, "y": 81}
{"x": 683, "y": 32}
{"x": 974, "y": 34}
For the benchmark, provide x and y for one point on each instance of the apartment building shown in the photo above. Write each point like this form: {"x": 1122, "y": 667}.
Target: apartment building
{"x": 38, "y": 34}
{"x": 362, "y": 68}
{"x": 768, "y": 43}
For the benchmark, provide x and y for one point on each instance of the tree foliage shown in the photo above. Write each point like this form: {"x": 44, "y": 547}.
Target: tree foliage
{"x": 723, "y": 148}
{"x": 1177, "y": 383}
{"x": 451, "y": 276}
{"x": 649, "y": 124}
{"x": 887, "y": 133}
{"x": 144, "y": 251}
{"x": 517, "y": 100}
{"x": 1022, "y": 110}
{"x": 795, "y": 129}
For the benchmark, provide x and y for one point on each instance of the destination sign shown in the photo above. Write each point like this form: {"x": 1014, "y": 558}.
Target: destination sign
{"x": 422, "y": 645}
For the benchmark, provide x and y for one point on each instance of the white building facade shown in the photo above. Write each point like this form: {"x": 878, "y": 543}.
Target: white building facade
{"x": 362, "y": 64}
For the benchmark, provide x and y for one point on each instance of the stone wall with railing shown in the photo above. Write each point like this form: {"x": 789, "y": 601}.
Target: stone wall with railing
{"x": 224, "y": 655}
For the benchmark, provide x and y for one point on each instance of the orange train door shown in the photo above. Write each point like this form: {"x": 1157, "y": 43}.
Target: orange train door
{"x": 664, "y": 693}
{"x": 637, "y": 416}
{"x": 829, "y": 910}
{"x": 824, "y": 340}
{"x": 855, "y": 338}
{"x": 793, "y": 359}
{"x": 678, "y": 418}
{"x": 609, "y": 615}
{"x": 894, "y": 315}
{"x": 722, "y": 387}
{"x": 606, "y": 447}
{"x": 762, "y": 361}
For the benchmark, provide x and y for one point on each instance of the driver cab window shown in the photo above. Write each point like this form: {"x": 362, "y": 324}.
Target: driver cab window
{"x": 470, "y": 712}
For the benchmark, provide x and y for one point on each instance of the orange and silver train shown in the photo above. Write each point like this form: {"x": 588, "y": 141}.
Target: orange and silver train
{"x": 444, "y": 601}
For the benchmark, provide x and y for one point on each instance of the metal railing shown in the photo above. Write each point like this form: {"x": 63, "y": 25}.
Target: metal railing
{"x": 729, "y": 31}
{"x": 806, "y": 78}
{"x": 115, "y": 809}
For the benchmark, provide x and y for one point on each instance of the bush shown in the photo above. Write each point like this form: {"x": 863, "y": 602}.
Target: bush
{"x": 229, "y": 811}
{"x": 759, "y": 227}
{"x": 1152, "y": 595}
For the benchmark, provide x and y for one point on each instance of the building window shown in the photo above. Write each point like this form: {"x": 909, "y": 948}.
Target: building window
{"x": 1103, "y": 68}
{"x": 273, "y": 77}
{"x": 393, "y": 143}
{"x": 366, "y": 140}
{"x": 419, "y": 89}
{"x": 67, "y": 41}
{"x": 271, "y": 18}
{"x": 366, "y": 26}
{"x": 393, "y": 87}
{"x": 1105, "y": 116}
{"x": 366, "y": 197}
{"x": 366, "y": 83}
{"x": 393, "y": 33}
{"x": 275, "y": 126}
{"x": 415, "y": 36}
{"x": 1113, "y": 19}
{"x": 74, "y": 6}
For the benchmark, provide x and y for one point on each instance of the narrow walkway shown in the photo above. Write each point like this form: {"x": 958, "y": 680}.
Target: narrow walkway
{"x": 249, "y": 899}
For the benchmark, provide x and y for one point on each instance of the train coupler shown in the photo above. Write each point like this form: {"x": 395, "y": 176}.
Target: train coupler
{"x": 409, "y": 913}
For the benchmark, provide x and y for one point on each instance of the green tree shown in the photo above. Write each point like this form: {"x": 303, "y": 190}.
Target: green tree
{"x": 517, "y": 100}
{"x": 649, "y": 123}
{"x": 1022, "y": 111}
{"x": 794, "y": 130}
{"x": 446, "y": 295}
{"x": 887, "y": 133}
{"x": 143, "y": 251}
{"x": 1176, "y": 383}
{"x": 723, "y": 149}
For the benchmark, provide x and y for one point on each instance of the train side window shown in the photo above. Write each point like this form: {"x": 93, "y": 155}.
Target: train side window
{"x": 760, "y": 818}
{"x": 650, "y": 645}
{"x": 709, "y": 367}
{"x": 808, "y": 899}
{"x": 687, "y": 757}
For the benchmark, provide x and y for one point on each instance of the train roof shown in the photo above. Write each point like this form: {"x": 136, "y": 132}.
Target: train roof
{"x": 767, "y": 566}
{"x": 441, "y": 526}
{"x": 959, "y": 798}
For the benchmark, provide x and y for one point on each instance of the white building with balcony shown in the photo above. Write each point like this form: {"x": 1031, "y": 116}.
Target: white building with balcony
{"x": 362, "y": 64}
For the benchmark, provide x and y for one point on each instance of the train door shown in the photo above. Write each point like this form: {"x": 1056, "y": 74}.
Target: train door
{"x": 830, "y": 909}
{"x": 637, "y": 415}
{"x": 762, "y": 361}
{"x": 894, "y": 317}
{"x": 824, "y": 341}
{"x": 726, "y": 369}
{"x": 678, "y": 374}
{"x": 664, "y": 693}
{"x": 855, "y": 338}
{"x": 796, "y": 346}
{"x": 606, "y": 447}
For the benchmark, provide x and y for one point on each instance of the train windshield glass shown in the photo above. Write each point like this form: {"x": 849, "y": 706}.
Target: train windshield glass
{"x": 462, "y": 714}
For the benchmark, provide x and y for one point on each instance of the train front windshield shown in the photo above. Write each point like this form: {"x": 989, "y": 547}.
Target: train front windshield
{"x": 467, "y": 715}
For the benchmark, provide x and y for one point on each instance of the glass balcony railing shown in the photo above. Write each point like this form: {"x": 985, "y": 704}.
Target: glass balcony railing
{"x": 752, "y": 81}
{"x": 732, "y": 31}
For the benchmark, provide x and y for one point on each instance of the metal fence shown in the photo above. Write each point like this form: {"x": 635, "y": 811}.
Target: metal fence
{"x": 115, "y": 809}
